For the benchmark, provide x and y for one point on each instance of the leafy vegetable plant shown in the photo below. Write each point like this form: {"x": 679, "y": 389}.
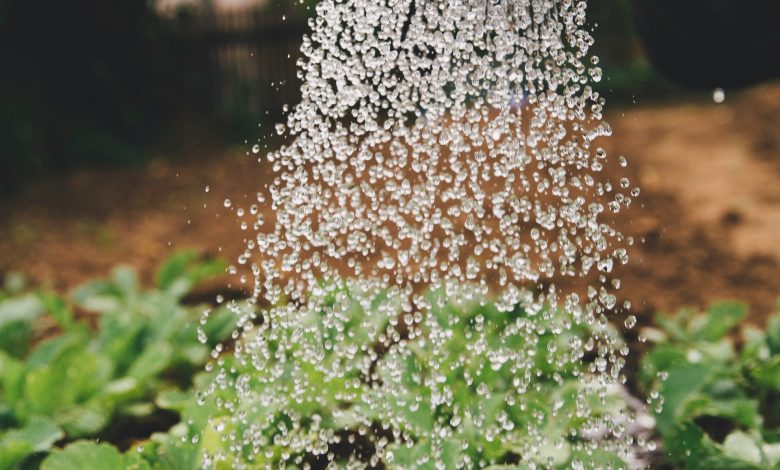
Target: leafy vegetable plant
{"x": 719, "y": 387}
{"x": 136, "y": 355}
{"x": 341, "y": 410}
{"x": 337, "y": 412}
{"x": 84, "y": 383}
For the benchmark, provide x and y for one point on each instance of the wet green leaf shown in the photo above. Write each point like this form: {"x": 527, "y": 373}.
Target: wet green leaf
{"x": 741, "y": 446}
{"x": 152, "y": 361}
{"x": 184, "y": 270}
{"x": 721, "y": 318}
{"x": 83, "y": 420}
{"x": 16, "y": 318}
{"x": 38, "y": 435}
{"x": 86, "y": 455}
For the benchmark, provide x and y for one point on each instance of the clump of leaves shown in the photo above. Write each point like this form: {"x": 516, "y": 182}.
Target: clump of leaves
{"x": 18, "y": 310}
{"x": 255, "y": 415}
{"x": 145, "y": 350}
{"x": 483, "y": 361}
{"x": 716, "y": 388}
{"x": 81, "y": 382}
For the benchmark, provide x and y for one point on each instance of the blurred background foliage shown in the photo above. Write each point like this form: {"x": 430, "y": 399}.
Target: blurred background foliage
{"x": 89, "y": 83}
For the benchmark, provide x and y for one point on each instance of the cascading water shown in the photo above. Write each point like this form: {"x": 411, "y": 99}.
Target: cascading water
{"x": 436, "y": 272}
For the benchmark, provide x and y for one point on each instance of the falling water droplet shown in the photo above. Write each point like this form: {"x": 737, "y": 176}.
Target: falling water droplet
{"x": 718, "y": 95}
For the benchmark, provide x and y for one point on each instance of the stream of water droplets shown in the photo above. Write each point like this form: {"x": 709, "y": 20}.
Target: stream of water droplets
{"x": 434, "y": 285}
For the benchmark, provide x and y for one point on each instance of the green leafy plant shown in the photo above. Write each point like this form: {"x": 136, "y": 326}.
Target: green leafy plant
{"x": 479, "y": 363}
{"x": 81, "y": 382}
{"x": 368, "y": 400}
{"x": 138, "y": 354}
{"x": 719, "y": 386}
{"x": 17, "y": 314}
{"x": 362, "y": 401}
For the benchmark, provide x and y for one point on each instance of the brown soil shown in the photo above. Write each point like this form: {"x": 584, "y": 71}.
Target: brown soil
{"x": 708, "y": 214}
